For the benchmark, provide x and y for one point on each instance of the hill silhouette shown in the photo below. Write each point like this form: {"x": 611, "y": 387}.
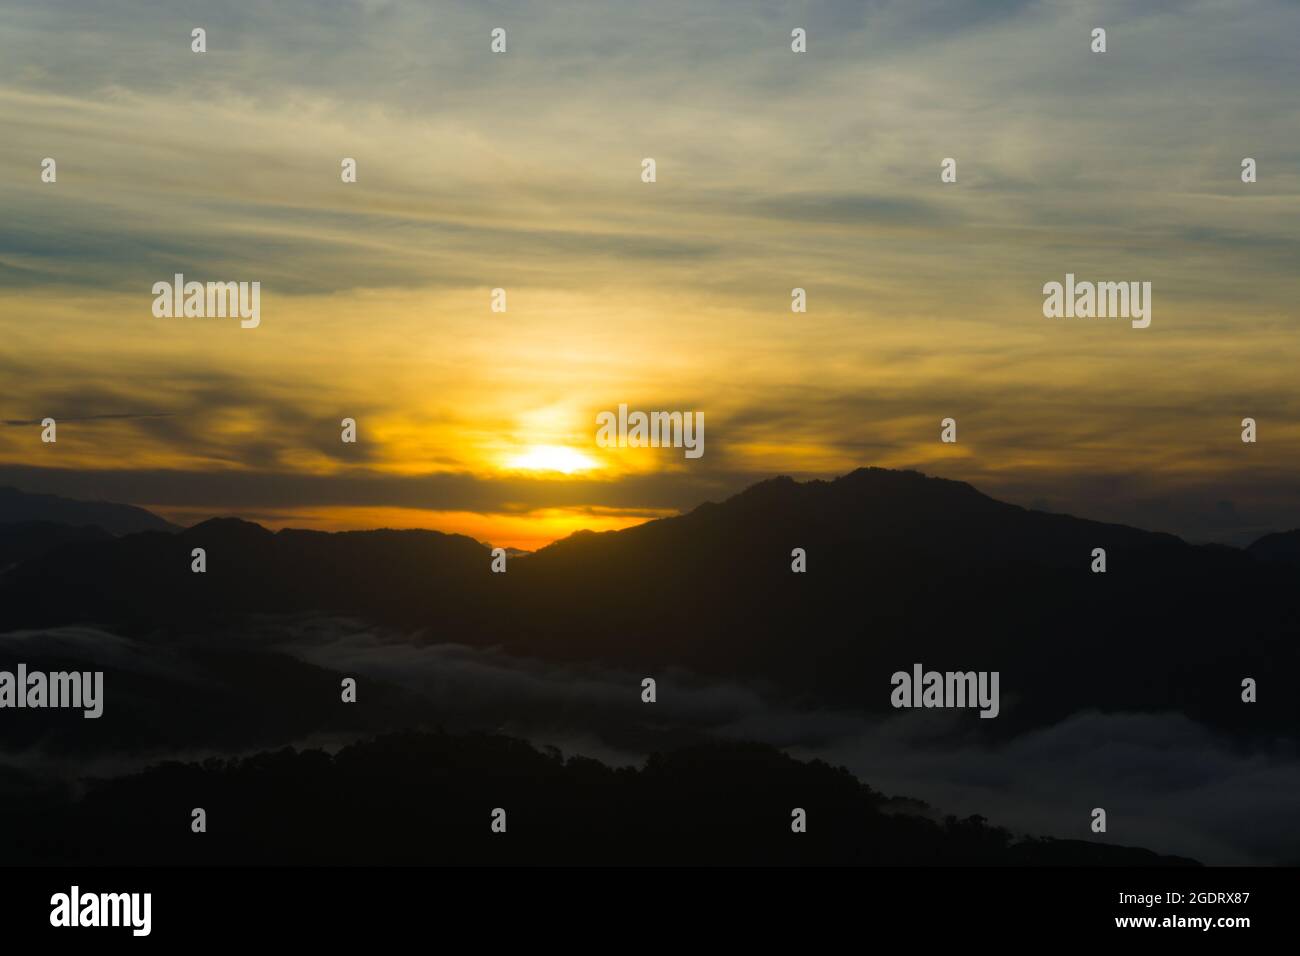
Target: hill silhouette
{"x": 21, "y": 540}
{"x": 427, "y": 798}
{"x": 1282, "y": 547}
{"x": 901, "y": 568}
{"x": 18, "y": 505}
{"x": 247, "y": 658}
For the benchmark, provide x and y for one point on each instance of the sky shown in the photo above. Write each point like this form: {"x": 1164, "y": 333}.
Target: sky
{"x": 775, "y": 170}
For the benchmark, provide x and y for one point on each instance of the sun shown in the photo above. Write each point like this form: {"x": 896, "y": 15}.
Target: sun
{"x": 566, "y": 461}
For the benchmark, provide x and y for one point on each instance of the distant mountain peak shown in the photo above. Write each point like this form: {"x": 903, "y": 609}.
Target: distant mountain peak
{"x": 903, "y": 487}
{"x": 22, "y": 506}
{"x": 1281, "y": 546}
{"x": 229, "y": 527}
{"x": 895, "y": 478}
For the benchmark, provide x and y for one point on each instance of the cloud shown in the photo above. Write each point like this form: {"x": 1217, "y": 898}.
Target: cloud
{"x": 817, "y": 170}
{"x": 96, "y": 649}
{"x": 242, "y": 490}
{"x": 471, "y": 161}
{"x": 123, "y": 416}
{"x": 1166, "y": 783}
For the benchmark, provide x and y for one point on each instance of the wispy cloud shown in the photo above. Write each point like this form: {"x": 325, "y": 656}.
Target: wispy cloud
{"x": 776, "y": 170}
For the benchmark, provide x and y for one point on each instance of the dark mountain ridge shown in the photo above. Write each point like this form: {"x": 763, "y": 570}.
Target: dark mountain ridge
{"x": 1282, "y": 547}
{"x": 426, "y": 798}
{"x": 22, "y": 540}
{"x": 901, "y": 569}
{"x": 23, "y": 506}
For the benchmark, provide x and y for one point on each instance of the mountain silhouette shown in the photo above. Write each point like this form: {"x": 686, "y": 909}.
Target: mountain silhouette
{"x": 22, "y": 506}
{"x": 21, "y": 540}
{"x": 248, "y": 658}
{"x": 901, "y": 569}
{"x": 427, "y": 798}
{"x": 1282, "y": 547}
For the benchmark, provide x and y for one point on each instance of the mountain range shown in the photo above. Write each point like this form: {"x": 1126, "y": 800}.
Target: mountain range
{"x": 901, "y": 569}
{"x": 22, "y": 506}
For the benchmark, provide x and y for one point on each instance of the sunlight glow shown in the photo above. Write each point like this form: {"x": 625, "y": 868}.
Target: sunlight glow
{"x": 558, "y": 458}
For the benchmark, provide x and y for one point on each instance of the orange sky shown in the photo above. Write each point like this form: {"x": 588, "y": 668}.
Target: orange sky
{"x": 775, "y": 171}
